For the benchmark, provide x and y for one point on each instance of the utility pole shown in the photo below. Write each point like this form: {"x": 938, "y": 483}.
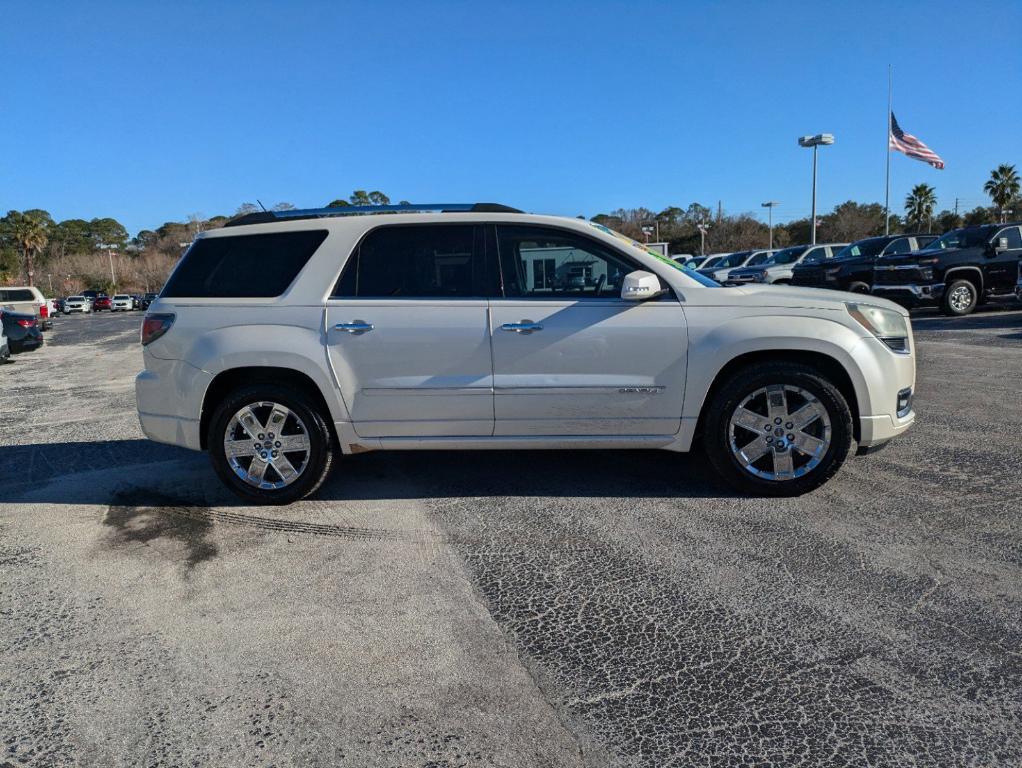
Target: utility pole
{"x": 113, "y": 277}
{"x": 50, "y": 278}
{"x": 769, "y": 205}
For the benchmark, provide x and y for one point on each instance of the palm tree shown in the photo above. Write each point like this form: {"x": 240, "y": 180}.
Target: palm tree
{"x": 29, "y": 235}
{"x": 919, "y": 205}
{"x": 1003, "y": 187}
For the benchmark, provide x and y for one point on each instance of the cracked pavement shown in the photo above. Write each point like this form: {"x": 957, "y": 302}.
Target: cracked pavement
{"x": 531, "y": 608}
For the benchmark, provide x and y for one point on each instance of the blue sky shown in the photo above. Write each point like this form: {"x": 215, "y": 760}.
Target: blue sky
{"x": 150, "y": 112}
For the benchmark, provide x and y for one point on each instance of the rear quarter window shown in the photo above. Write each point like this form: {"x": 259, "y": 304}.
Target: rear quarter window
{"x": 17, "y": 294}
{"x": 243, "y": 266}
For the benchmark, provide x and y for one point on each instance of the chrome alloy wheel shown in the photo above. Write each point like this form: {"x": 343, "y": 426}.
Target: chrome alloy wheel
{"x": 960, "y": 298}
{"x": 267, "y": 445}
{"x": 779, "y": 432}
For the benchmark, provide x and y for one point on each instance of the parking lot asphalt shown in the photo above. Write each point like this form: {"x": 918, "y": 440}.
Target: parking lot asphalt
{"x": 511, "y": 609}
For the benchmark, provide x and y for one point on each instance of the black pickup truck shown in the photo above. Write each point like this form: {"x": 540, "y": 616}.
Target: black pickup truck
{"x": 957, "y": 271}
{"x": 852, "y": 268}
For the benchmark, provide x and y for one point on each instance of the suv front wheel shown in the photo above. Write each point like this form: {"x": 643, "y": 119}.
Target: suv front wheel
{"x": 779, "y": 429}
{"x": 270, "y": 444}
{"x": 960, "y": 298}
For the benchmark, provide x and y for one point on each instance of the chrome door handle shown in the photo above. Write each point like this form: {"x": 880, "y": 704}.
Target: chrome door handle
{"x": 526, "y": 326}
{"x": 358, "y": 326}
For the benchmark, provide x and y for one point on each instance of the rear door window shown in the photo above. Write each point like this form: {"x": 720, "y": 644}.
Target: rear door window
{"x": 256, "y": 266}
{"x": 415, "y": 261}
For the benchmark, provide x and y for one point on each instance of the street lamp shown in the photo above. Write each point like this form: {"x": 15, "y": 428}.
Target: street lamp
{"x": 769, "y": 205}
{"x": 819, "y": 139}
{"x": 702, "y": 237}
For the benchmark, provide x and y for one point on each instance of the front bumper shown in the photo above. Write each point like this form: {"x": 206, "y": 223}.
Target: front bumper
{"x": 911, "y": 293}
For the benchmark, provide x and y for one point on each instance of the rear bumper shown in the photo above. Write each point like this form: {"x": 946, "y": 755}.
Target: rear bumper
{"x": 171, "y": 430}
{"x": 169, "y": 395}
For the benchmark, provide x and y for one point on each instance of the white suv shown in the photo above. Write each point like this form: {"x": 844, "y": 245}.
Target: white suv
{"x": 287, "y": 335}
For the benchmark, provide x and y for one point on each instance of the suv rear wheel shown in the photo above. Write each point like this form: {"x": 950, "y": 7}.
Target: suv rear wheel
{"x": 960, "y": 298}
{"x": 780, "y": 429}
{"x": 857, "y": 286}
{"x": 270, "y": 444}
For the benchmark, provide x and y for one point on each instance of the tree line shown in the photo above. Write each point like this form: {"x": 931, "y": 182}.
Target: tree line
{"x": 696, "y": 227}
{"x": 65, "y": 257}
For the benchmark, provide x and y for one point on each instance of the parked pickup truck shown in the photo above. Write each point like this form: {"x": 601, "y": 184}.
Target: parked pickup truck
{"x": 957, "y": 271}
{"x": 852, "y": 268}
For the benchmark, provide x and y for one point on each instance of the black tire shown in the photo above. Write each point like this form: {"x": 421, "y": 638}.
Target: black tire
{"x": 716, "y": 428}
{"x": 951, "y": 305}
{"x": 782, "y": 281}
{"x": 857, "y": 286}
{"x": 320, "y": 454}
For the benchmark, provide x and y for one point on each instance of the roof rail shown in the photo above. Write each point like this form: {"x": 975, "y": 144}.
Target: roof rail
{"x": 264, "y": 217}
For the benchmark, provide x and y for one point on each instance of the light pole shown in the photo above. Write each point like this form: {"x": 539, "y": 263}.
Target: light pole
{"x": 702, "y": 237}
{"x": 769, "y": 205}
{"x": 814, "y": 142}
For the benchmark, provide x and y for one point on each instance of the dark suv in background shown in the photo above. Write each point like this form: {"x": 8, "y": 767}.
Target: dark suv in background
{"x": 957, "y": 271}
{"x": 852, "y": 268}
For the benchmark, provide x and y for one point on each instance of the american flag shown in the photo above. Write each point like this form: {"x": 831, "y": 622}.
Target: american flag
{"x": 911, "y": 146}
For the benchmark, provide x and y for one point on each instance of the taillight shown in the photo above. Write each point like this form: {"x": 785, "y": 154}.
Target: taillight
{"x": 154, "y": 326}
{"x": 44, "y": 311}
{"x": 25, "y": 323}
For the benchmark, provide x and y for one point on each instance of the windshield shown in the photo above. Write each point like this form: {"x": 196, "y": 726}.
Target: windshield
{"x": 121, "y": 297}
{"x": 968, "y": 237}
{"x": 868, "y": 248}
{"x": 787, "y": 256}
{"x": 734, "y": 260}
{"x": 77, "y": 298}
{"x": 760, "y": 258}
{"x": 691, "y": 273}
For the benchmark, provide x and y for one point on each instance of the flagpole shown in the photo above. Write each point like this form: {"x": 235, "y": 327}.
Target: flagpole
{"x": 887, "y": 148}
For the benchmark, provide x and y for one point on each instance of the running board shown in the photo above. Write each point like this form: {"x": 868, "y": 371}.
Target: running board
{"x": 513, "y": 442}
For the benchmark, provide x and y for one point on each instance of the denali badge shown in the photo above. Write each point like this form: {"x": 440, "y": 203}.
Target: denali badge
{"x": 641, "y": 390}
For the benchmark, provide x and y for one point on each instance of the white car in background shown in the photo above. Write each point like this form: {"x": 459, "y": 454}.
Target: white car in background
{"x": 720, "y": 270}
{"x": 77, "y": 304}
{"x": 121, "y": 302}
{"x": 456, "y": 327}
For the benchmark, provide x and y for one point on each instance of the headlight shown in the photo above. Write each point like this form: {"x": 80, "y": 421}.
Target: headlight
{"x": 760, "y": 276}
{"x": 886, "y": 324}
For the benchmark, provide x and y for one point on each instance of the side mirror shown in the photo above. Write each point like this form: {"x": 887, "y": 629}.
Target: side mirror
{"x": 1001, "y": 245}
{"x": 641, "y": 285}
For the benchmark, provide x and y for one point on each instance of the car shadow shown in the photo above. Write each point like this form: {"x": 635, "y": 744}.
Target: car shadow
{"x": 57, "y": 473}
{"x": 991, "y": 319}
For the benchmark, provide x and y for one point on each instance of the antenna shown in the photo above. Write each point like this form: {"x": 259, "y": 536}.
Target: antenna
{"x": 261, "y": 205}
